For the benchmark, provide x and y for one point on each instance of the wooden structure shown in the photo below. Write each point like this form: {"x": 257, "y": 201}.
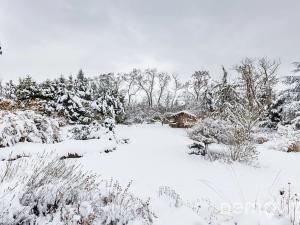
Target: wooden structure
{"x": 182, "y": 119}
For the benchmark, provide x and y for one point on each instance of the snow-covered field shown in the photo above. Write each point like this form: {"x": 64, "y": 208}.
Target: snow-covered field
{"x": 183, "y": 188}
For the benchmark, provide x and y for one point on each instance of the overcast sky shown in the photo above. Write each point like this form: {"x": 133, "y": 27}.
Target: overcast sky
{"x": 48, "y": 38}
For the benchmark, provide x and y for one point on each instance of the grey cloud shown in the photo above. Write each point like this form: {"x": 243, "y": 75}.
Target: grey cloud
{"x": 48, "y": 38}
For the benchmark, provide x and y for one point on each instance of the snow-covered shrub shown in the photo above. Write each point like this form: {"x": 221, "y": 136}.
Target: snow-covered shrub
{"x": 236, "y": 131}
{"x": 197, "y": 149}
{"x": 211, "y": 155}
{"x": 27, "y": 126}
{"x": 121, "y": 207}
{"x": 243, "y": 152}
{"x": 170, "y": 195}
{"x": 209, "y": 130}
{"x": 48, "y": 191}
{"x": 57, "y": 193}
{"x": 244, "y": 118}
{"x": 242, "y": 148}
{"x": 212, "y": 131}
{"x": 93, "y": 131}
{"x": 288, "y": 136}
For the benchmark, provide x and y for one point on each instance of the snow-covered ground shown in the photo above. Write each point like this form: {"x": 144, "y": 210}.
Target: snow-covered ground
{"x": 157, "y": 162}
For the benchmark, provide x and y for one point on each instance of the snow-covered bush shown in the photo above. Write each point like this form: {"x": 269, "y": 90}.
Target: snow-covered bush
{"x": 121, "y": 207}
{"x": 288, "y": 136}
{"x": 244, "y": 152}
{"x": 212, "y": 131}
{"x": 170, "y": 195}
{"x": 92, "y": 131}
{"x": 240, "y": 145}
{"x": 211, "y": 155}
{"x": 54, "y": 192}
{"x": 244, "y": 118}
{"x": 197, "y": 149}
{"x": 27, "y": 126}
{"x": 241, "y": 148}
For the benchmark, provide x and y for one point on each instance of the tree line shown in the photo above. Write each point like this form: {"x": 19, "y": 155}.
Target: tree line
{"x": 149, "y": 91}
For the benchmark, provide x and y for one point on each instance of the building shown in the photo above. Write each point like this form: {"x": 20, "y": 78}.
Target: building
{"x": 182, "y": 119}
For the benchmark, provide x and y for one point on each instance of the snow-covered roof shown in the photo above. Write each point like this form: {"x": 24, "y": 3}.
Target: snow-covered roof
{"x": 181, "y": 112}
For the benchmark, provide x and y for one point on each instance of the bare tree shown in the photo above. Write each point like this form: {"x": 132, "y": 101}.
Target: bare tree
{"x": 131, "y": 87}
{"x": 258, "y": 78}
{"x": 163, "y": 82}
{"x": 146, "y": 81}
{"x": 268, "y": 72}
{"x": 199, "y": 82}
{"x": 177, "y": 87}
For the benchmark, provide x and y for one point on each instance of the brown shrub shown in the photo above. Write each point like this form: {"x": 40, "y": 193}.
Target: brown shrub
{"x": 7, "y": 105}
{"x": 294, "y": 147}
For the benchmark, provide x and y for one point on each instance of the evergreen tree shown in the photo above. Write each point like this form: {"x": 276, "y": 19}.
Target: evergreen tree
{"x": 71, "y": 108}
{"x": 47, "y": 90}
{"x": 207, "y": 100}
{"x": 1, "y": 90}
{"x": 9, "y": 90}
{"x": 109, "y": 105}
{"x": 70, "y": 84}
{"x": 286, "y": 108}
{"x": 82, "y": 87}
{"x": 27, "y": 89}
{"x": 70, "y": 98}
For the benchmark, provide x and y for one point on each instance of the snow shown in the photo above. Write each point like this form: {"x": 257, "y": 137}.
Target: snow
{"x": 156, "y": 157}
{"x": 182, "y": 112}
